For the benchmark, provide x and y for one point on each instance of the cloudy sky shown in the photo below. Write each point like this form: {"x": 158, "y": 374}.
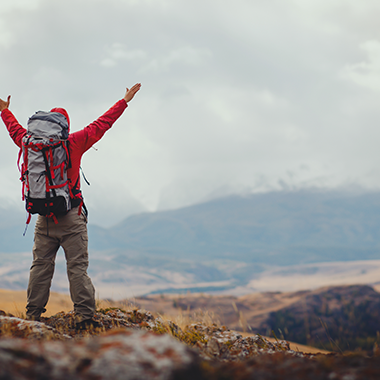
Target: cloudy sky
{"x": 237, "y": 96}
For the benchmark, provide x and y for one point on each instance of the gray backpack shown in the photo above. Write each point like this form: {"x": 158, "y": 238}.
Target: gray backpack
{"x": 46, "y": 188}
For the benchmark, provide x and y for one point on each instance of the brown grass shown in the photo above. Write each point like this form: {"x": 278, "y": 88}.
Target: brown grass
{"x": 12, "y": 301}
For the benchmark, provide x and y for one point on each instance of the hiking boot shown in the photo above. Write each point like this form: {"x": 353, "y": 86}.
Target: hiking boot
{"x": 88, "y": 324}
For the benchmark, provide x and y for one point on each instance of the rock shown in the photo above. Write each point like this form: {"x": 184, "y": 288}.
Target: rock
{"x": 215, "y": 342}
{"x": 109, "y": 318}
{"x": 135, "y": 345}
{"x": 20, "y": 328}
{"x": 118, "y": 355}
{"x": 212, "y": 347}
{"x": 131, "y": 345}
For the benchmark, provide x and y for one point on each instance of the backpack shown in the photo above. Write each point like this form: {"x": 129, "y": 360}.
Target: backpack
{"x": 45, "y": 186}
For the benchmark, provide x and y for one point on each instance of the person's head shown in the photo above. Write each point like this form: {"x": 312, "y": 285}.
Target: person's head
{"x": 63, "y": 112}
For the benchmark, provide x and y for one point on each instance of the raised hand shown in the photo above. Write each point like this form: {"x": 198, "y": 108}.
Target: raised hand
{"x": 5, "y": 104}
{"x": 130, "y": 93}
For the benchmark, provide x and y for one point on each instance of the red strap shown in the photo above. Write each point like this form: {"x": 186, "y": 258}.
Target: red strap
{"x": 58, "y": 186}
{"x": 47, "y": 184}
{"x": 51, "y": 215}
{"x": 50, "y": 155}
{"x": 18, "y": 159}
{"x": 23, "y": 190}
{"x": 29, "y": 217}
{"x": 24, "y": 167}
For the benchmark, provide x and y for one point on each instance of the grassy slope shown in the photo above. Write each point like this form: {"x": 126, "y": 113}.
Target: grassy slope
{"x": 14, "y": 302}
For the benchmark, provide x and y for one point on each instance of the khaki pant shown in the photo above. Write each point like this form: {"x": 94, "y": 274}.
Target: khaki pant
{"x": 71, "y": 234}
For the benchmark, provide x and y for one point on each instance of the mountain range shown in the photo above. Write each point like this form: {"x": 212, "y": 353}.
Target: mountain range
{"x": 217, "y": 245}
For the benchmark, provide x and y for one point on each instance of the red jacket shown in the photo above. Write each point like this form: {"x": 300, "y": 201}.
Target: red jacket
{"x": 79, "y": 142}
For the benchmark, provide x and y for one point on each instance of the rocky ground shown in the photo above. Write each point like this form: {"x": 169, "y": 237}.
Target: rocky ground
{"x": 133, "y": 344}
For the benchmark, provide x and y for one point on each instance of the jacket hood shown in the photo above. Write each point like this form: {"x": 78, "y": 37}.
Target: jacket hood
{"x": 63, "y": 112}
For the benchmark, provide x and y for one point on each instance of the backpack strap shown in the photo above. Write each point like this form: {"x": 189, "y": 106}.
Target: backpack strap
{"x": 27, "y": 223}
{"x": 48, "y": 156}
{"x": 67, "y": 148}
{"x": 77, "y": 199}
{"x": 24, "y": 166}
{"x": 21, "y": 170}
{"x": 19, "y": 158}
{"x": 49, "y": 179}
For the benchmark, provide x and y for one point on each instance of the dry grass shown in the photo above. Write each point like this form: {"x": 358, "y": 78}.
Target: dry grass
{"x": 14, "y": 302}
{"x": 183, "y": 318}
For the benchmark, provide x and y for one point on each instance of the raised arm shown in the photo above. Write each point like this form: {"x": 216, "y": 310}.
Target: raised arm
{"x": 88, "y": 136}
{"x": 16, "y": 131}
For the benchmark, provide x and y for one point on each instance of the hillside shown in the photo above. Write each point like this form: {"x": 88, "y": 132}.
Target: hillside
{"x": 133, "y": 344}
{"x": 333, "y": 318}
{"x": 343, "y": 318}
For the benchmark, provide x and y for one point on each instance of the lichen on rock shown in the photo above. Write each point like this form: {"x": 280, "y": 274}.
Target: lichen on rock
{"x": 115, "y": 355}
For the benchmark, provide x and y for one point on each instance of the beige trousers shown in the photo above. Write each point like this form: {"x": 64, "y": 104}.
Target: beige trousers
{"x": 71, "y": 234}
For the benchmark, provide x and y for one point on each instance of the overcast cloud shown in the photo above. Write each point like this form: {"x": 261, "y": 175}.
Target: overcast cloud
{"x": 237, "y": 96}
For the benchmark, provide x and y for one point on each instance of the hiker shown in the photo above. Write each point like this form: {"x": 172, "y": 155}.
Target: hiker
{"x": 67, "y": 230}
